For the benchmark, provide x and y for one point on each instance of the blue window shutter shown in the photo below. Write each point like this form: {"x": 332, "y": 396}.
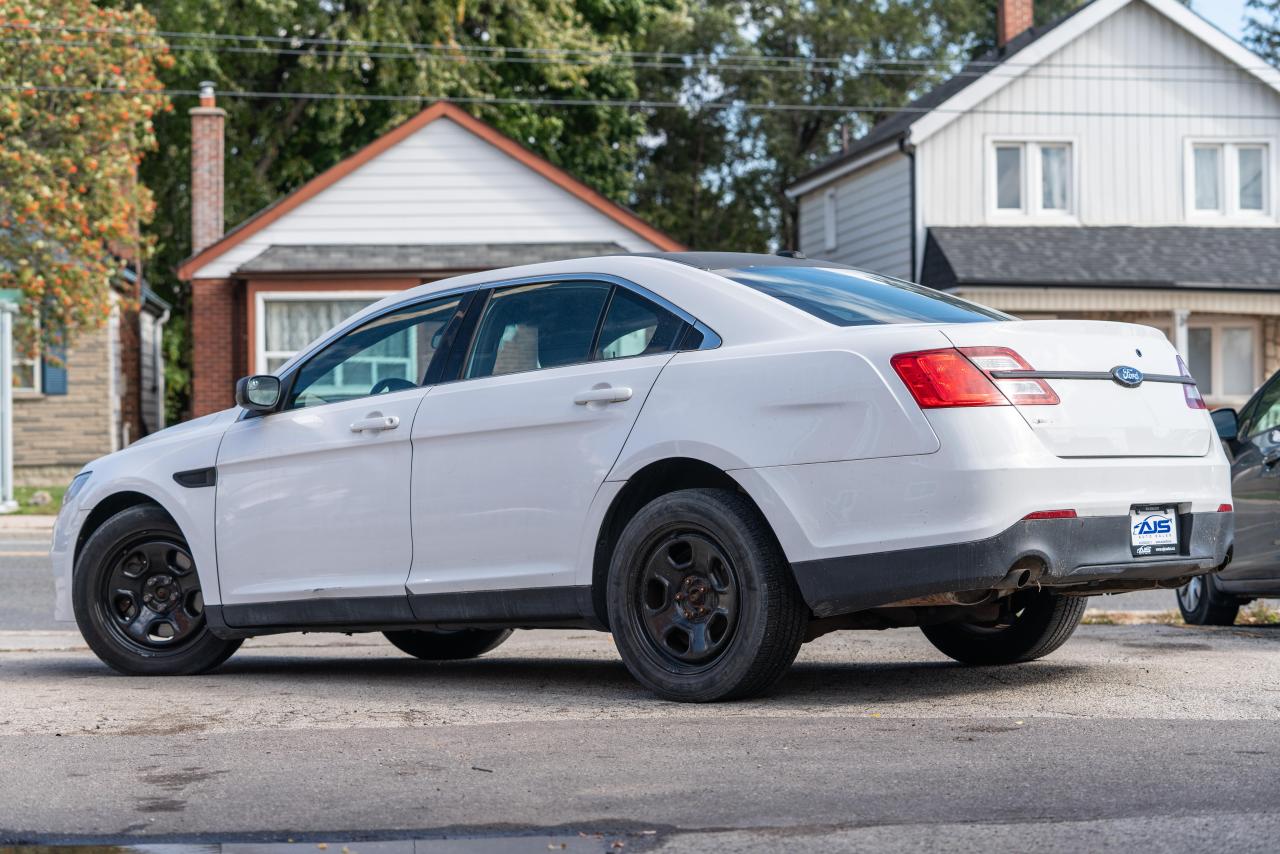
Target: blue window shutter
{"x": 53, "y": 371}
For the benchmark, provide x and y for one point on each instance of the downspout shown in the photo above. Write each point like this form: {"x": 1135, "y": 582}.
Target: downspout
{"x": 910, "y": 150}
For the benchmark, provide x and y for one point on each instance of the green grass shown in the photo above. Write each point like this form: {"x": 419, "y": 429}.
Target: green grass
{"x": 1258, "y": 614}
{"x": 23, "y": 495}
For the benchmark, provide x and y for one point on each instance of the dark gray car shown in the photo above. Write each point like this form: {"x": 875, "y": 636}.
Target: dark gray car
{"x": 1252, "y": 440}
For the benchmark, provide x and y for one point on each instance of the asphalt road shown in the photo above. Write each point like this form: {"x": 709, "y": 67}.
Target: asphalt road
{"x": 1148, "y": 737}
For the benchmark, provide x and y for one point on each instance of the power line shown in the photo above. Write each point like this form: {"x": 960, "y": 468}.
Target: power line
{"x": 719, "y": 59}
{"x": 1039, "y": 72}
{"x": 646, "y": 104}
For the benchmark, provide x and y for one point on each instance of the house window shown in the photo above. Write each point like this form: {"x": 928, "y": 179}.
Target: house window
{"x": 829, "y": 240}
{"x": 26, "y": 370}
{"x": 1032, "y": 178}
{"x": 1228, "y": 179}
{"x": 1223, "y": 356}
{"x": 288, "y": 322}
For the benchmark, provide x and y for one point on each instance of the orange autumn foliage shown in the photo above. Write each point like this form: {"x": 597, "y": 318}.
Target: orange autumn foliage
{"x": 69, "y": 194}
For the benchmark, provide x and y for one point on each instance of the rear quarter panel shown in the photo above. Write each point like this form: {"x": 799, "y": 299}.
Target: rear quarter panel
{"x": 817, "y": 399}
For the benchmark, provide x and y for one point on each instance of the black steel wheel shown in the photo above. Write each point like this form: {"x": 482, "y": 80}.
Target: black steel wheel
{"x": 1038, "y": 623}
{"x": 702, "y": 603}
{"x": 138, "y": 600}
{"x": 687, "y": 601}
{"x": 151, "y": 594}
{"x": 444, "y": 645}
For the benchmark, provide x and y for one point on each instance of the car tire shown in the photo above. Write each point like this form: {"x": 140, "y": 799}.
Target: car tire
{"x": 445, "y": 645}
{"x": 1041, "y": 623}
{"x": 702, "y": 603}
{"x": 1203, "y": 603}
{"x": 133, "y": 578}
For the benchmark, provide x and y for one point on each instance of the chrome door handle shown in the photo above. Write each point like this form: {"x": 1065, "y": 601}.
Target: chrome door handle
{"x": 375, "y": 424}
{"x": 608, "y": 394}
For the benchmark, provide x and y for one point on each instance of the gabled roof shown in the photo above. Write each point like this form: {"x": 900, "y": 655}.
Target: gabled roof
{"x": 1189, "y": 257}
{"x": 438, "y": 110}
{"x": 974, "y": 83}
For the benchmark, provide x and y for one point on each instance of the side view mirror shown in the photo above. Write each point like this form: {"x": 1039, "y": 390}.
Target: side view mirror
{"x": 259, "y": 393}
{"x": 1226, "y": 422}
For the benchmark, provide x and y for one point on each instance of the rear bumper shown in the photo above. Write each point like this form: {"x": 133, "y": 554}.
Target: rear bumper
{"x": 1088, "y": 553}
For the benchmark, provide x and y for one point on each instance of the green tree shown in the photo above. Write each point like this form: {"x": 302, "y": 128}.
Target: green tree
{"x": 70, "y": 203}
{"x": 716, "y": 175}
{"x": 1262, "y": 29}
{"x": 459, "y": 49}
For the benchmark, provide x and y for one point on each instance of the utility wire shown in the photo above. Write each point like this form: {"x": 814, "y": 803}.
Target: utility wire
{"x": 1040, "y": 72}
{"x": 717, "y": 59}
{"x": 644, "y": 104}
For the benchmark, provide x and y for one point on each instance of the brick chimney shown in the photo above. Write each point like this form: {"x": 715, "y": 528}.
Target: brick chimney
{"x": 207, "y": 132}
{"x": 1013, "y": 18}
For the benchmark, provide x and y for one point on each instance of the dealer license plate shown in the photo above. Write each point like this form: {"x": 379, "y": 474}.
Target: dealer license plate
{"x": 1153, "y": 530}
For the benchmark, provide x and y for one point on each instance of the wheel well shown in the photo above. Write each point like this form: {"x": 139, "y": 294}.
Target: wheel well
{"x": 652, "y": 481}
{"x": 108, "y": 507}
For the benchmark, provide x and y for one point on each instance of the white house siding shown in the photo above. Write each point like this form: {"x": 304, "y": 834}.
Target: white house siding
{"x": 873, "y": 218}
{"x": 443, "y": 184}
{"x": 1131, "y": 169}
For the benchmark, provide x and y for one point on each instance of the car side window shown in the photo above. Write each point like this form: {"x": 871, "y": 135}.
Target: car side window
{"x": 635, "y": 326}
{"x": 535, "y": 326}
{"x": 389, "y": 353}
{"x": 1263, "y": 414}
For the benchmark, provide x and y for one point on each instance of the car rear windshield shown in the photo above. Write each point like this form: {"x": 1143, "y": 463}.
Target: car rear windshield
{"x": 854, "y": 298}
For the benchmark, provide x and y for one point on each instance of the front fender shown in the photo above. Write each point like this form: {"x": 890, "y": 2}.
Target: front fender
{"x": 147, "y": 469}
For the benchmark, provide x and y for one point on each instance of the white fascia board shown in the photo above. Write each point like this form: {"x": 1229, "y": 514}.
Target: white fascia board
{"x": 1088, "y": 17}
{"x": 1218, "y": 40}
{"x": 807, "y": 186}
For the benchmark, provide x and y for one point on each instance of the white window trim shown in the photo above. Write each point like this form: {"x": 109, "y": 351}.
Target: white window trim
{"x": 830, "y": 232}
{"x": 1228, "y": 180}
{"x": 1216, "y": 323}
{"x": 1031, "y": 197}
{"x": 260, "y": 354}
{"x": 37, "y": 371}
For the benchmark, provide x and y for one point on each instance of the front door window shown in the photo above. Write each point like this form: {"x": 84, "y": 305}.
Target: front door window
{"x": 389, "y": 353}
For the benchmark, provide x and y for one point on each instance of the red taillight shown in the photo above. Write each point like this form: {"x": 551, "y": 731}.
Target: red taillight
{"x": 1023, "y": 392}
{"x": 939, "y": 379}
{"x": 1224, "y": 508}
{"x": 1050, "y": 514}
{"x": 1190, "y": 392}
{"x": 944, "y": 378}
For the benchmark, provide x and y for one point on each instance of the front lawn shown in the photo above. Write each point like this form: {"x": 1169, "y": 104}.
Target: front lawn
{"x": 23, "y": 494}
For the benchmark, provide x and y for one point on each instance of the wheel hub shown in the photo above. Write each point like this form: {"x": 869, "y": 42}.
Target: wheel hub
{"x": 696, "y": 599}
{"x": 160, "y": 592}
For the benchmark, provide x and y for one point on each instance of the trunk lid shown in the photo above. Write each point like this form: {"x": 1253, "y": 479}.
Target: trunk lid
{"x": 1100, "y": 417}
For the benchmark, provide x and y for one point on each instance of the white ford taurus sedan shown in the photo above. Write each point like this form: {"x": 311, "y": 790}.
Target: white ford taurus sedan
{"x": 714, "y": 456}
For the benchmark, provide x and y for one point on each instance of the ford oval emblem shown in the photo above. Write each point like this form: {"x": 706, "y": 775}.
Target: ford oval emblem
{"x": 1126, "y": 376}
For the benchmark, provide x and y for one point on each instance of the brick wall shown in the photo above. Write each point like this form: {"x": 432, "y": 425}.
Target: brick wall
{"x": 54, "y": 435}
{"x": 218, "y": 343}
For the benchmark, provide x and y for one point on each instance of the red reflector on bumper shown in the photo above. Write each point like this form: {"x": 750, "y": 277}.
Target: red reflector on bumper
{"x": 1224, "y": 508}
{"x": 1050, "y": 514}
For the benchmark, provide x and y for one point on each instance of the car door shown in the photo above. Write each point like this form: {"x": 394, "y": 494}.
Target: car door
{"x": 507, "y": 459}
{"x": 1255, "y": 487}
{"x": 313, "y": 499}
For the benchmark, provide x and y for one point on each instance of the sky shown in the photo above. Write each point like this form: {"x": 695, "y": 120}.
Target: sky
{"x": 1227, "y": 14}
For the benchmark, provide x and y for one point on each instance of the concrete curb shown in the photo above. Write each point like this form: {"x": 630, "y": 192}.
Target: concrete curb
{"x": 27, "y": 524}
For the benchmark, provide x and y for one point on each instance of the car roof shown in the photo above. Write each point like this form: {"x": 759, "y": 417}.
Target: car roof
{"x": 714, "y": 261}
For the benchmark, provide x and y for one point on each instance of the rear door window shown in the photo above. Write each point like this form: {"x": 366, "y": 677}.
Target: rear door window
{"x": 854, "y": 298}
{"x": 635, "y": 326}
{"x": 536, "y": 326}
